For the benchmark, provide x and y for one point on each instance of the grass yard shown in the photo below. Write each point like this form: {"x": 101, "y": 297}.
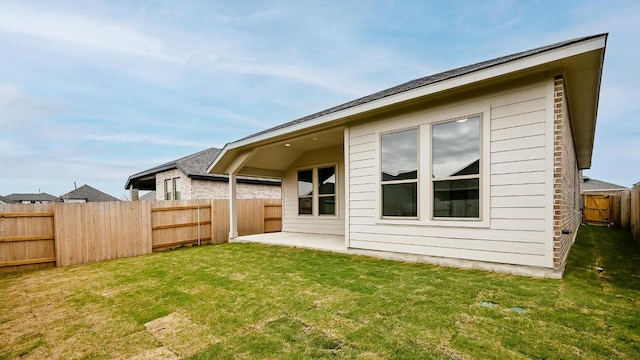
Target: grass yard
{"x": 247, "y": 301}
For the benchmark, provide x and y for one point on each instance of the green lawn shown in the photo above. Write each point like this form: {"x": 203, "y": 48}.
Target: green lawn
{"x": 246, "y": 301}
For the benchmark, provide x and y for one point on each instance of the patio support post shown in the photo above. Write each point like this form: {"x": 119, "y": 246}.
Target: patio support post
{"x": 233, "y": 207}
{"x": 134, "y": 194}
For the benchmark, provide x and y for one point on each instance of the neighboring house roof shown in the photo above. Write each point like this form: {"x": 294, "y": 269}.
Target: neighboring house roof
{"x": 32, "y": 197}
{"x": 581, "y": 58}
{"x": 150, "y": 196}
{"x": 89, "y": 194}
{"x": 194, "y": 166}
{"x": 597, "y": 185}
{"x": 5, "y": 200}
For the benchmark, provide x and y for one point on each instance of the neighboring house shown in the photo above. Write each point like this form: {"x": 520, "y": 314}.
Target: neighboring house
{"x": 476, "y": 167}
{"x": 40, "y": 198}
{"x": 4, "y": 200}
{"x": 598, "y": 187}
{"x": 187, "y": 178}
{"x": 86, "y": 193}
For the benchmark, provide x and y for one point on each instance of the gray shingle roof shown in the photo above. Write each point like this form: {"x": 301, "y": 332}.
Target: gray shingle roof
{"x": 194, "y": 166}
{"x": 150, "y": 196}
{"x": 86, "y": 192}
{"x": 5, "y": 200}
{"x": 32, "y": 197}
{"x": 594, "y": 185}
{"x": 428, "y": 80}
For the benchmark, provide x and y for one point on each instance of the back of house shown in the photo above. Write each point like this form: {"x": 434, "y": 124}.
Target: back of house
{"x": 478, "y": 166}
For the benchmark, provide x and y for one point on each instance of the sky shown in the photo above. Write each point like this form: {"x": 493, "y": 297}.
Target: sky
{"x": 93, "y": 91}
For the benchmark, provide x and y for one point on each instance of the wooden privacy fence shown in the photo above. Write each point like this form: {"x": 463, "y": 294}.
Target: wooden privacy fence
{"x": 634, "y": 205}
{"x": 27, "y": 237}
{"x": 63, "y": 234}
{"x": 607, "y": 208}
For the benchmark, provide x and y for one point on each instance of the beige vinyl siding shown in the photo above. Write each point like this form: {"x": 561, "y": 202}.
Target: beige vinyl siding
{"x": 320, "y": 224}
{"x": 516, "y": 230}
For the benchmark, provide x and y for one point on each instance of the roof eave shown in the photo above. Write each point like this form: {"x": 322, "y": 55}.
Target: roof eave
{"x": 225, "y": 157}
{"x": 133, "y": 178}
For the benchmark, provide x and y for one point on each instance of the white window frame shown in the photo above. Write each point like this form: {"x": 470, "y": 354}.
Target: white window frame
{"x": 315, "y": 203}
{"x": 168, "y": 192}
{"x": 424, "y": 122}
{"x": 313, "y": 191}
{"x": 381, "y": 182}
{"x": 478, "y": 176}
{"x": 175, "y": 182}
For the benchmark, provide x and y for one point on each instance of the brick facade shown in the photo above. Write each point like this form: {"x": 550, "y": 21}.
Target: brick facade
{"x": 202, "y": 189}
{"x": 567, "y": 180}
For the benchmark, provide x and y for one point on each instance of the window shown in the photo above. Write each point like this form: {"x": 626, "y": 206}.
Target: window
{"x": 305, "y": 192}
{"x": 400, "y": 174}
{"x": 176, "y": 188}
{"x": 167, "y": 189}
{"x": 455, "y": 163}
{"x": 317, "y": 191}
{"x": 327, "y": 191}
{"x": 172, "y": 189}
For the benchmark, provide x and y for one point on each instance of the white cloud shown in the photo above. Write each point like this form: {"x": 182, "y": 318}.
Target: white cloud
{"x": 225, "y": 47}
{"x": 18, "y": 107}
{"x": 82, "y": 31}
{"x": 147, "y": 140}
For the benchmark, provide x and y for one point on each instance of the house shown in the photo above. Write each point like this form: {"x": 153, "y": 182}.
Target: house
{"x": 187, "y": 178}
{"x": 86, "y": 193}
{"x": 39, "y": 198}
{"x": 476, "y": 167}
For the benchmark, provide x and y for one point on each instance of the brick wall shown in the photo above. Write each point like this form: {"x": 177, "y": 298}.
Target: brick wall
{"x": 201, "y": 189}
{"x": 567, "y": 180}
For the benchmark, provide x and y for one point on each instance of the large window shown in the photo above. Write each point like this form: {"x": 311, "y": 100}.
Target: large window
{"x": 400, "y": 174}
{"x": 317, "y": 190}
{"x": 455, "y": 163}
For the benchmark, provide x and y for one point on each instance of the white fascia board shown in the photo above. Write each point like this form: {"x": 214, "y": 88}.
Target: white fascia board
{"x": 217, "y": 159}
{"x": 455, "y": 82}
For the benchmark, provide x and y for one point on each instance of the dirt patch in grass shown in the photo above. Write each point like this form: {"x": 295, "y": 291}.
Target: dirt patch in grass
{"x": 160, "y": 353}
{"x": 180, "y": 335}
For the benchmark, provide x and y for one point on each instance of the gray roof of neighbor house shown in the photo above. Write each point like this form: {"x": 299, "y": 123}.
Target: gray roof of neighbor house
{"x": 194, "y": 166}
{"x": 150, "y": 196}
{"x": 426, "y": 81}
{"x": 89, "y": 194}
{"x": 32, "y": 197}
{"x": 5, "y": 200}
{"x": 597, "y": 185}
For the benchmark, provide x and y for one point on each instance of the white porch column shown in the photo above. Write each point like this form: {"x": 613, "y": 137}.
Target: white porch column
{"x": 347, "y": 188}
{"x": 233, "y": 208}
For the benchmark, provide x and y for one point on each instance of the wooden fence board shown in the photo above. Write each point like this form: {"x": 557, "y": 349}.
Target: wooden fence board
{"x": 27, "y": 237}
{"x": 62, "y": 234}
{"x": 635, "y": 211}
